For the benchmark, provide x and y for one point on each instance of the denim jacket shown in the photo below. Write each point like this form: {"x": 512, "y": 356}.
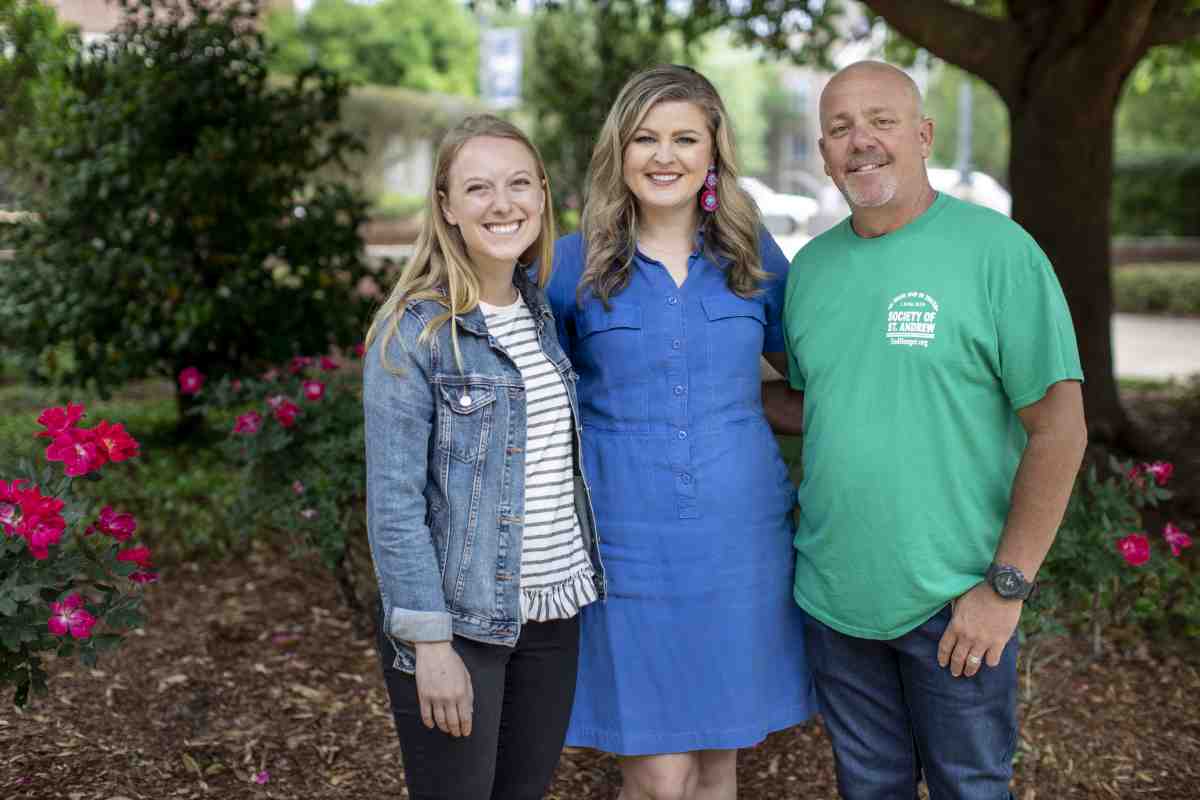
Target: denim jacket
{"x": 446, "y": 477}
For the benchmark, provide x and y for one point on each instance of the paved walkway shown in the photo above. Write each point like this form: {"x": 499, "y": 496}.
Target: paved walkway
{"x": 1155, "y": 347}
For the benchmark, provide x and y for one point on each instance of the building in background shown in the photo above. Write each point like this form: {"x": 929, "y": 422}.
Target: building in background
{"x": 95, "y": 18}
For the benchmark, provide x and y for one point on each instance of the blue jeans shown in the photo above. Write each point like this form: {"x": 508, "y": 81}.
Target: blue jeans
{"x": 893, "y": 714}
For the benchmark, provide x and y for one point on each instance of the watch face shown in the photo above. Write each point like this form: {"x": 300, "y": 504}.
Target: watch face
{"x": 1008, "y": 584}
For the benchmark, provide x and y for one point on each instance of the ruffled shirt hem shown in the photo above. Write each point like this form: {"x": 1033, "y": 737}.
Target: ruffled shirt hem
{"x": 561, "y": 600}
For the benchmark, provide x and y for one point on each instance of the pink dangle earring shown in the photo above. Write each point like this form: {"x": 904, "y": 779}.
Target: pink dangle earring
{"x": 708, "y": 198}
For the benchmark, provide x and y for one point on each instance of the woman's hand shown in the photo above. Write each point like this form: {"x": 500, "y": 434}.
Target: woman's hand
{"x": 444, "y": 688}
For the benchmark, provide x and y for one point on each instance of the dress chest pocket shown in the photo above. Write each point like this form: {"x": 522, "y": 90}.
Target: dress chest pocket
{"x": 735, "y": 329}
{"x": 467, "y": 418}
{"x": 615, "y": 333}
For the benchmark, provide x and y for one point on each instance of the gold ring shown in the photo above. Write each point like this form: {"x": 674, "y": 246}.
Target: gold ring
{"x": 974, "y": 659}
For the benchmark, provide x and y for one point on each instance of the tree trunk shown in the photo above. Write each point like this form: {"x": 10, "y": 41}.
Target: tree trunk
{"x": 1060, "y": 172}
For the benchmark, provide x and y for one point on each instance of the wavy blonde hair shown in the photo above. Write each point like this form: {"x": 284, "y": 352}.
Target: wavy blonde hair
{"x": 610, "y": 220}
{"x": 440, "y": 269}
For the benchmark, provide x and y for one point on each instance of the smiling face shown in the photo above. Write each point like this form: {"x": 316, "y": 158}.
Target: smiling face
{"x": 494, "y": 196}
{"x": 668, "y": 157}
{"x": 873, "y": 137}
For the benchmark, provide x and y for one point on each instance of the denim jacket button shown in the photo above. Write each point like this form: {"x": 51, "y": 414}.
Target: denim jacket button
{"x": 465, "y": 401}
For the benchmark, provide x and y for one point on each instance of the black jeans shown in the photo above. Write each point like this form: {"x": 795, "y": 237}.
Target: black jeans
{"x": 523, "y": 699}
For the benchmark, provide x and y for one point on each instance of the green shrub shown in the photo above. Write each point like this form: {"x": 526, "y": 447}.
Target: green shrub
{"x": 1105, "y": 568}
{"x": 1156, "y": 196}
{"x": 1157, "y": 289}
{"x": 180, "y": 224}
{"x": 295, "y": 444}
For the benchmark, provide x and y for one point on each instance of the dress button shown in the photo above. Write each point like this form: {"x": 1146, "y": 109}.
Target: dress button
{"x": 682, "y": 434}
{"x": 465, "y": 401}
{"x": 678, "y": 390}
{"x": 672, "y": 300}
{"x": 676, "y": 344}
{"x": 685, "y": 478}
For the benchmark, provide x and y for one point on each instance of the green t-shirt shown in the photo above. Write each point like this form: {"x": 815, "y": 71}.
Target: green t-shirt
{"x": 913, "y": 351}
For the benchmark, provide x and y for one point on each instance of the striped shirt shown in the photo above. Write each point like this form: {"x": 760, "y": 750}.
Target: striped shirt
{"x": 556, "y": 574}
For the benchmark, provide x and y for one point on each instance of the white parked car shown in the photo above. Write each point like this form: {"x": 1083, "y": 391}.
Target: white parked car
{"x": 785, "y": 216}
{"x": 795, "y": 207}
{"x": 982, "y": 189}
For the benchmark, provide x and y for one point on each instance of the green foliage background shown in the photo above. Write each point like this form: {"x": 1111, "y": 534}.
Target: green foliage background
{"x": 179, "y": 222}
{"x": 34, "y": 48}
{"x": 579, "y": 55}
{"x": 426, "y": 45}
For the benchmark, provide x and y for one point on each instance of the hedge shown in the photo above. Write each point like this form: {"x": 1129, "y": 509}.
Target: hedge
{"x": 1156, "y": 196}
{"x": 1157, "y": 289}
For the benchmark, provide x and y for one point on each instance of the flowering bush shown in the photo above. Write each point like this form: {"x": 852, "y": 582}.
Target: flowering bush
{"x": 1105, "y": 567}
{"x": 296, "y": 432}
{"x": 68, "y": 582}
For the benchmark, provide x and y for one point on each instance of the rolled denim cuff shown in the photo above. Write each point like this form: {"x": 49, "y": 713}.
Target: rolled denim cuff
{"x": 419, "y": 626}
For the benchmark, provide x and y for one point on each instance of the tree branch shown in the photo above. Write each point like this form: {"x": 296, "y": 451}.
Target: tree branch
{"x": 1118, "y": 37}
{"x": 993, "y": 49}
{"x": 1173, "y": 27}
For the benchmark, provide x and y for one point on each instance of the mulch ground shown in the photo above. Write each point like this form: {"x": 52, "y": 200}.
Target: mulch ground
{"x": 249, "y": 668}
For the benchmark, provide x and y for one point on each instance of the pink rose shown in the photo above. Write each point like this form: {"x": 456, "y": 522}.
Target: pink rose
{"x": 1161, "y": 470}
{"x": 286, "y": 412}
{"x": 119, "y": 525}
{"x": 117, "y": 443}
{"x": 136, "y": 555}
{"x": 313, "y": 390}
{"x": 248, "y": 423}
{"x": 1135, "y": 548}
{"x": 190, "y": 381}
{"x": 59, "y": 420}
{"x": 79, "y": 450}
{"x": 69, "y": 617}
{"x": 1176, "y": 538}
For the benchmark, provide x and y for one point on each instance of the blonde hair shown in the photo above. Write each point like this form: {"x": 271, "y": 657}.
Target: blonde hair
{"x": 440, "y": 269}
{"x": 610, "y": 224}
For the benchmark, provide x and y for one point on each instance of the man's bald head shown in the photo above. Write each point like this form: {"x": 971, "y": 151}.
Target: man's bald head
{"x": 877, "y": 71}
{"x": 875, "y": 140}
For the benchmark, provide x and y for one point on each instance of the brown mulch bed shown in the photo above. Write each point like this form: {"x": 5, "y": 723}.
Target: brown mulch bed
{"x": 245, "y": 670}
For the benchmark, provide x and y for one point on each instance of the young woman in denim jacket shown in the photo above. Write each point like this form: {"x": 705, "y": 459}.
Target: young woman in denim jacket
{"x": 479, "y": 520}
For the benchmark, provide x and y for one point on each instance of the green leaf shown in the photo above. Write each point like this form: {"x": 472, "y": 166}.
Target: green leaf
{"x": 106, "y": 641}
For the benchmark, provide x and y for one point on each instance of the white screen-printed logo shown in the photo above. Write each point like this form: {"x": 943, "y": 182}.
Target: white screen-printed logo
{"x": 912, "y": 319}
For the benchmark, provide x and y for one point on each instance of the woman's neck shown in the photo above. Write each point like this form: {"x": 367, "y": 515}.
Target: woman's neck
{"x": 496, "y": 283}
{"x": 668, "y": 229}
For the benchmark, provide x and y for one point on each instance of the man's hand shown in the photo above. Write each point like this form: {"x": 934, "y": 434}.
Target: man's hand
{"x": 444, "y": 688}
{"x": 981, "y": 624}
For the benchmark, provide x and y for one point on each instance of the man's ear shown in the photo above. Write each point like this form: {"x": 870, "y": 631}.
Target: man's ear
{"x": 925, "y": 131}
{"x": 444, "y": 207}
{"x": 824, "y": 160}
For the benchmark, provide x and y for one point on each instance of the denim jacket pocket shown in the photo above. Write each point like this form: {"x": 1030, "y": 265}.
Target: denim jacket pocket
{"x": 466, "y": 424}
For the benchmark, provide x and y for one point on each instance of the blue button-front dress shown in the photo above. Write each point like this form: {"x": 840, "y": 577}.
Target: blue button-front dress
{"x": 699, "y": 645}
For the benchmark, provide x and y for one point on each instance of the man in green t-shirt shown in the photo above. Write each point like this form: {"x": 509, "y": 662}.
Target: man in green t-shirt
{"x": 943, "y": 427}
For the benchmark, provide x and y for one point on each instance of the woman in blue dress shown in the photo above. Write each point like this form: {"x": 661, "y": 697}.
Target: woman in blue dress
{"x": 664, "y": 302}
